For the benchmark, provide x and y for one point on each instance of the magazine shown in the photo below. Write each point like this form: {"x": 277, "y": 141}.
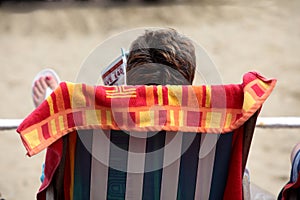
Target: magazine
{"x": 115, "y": 73}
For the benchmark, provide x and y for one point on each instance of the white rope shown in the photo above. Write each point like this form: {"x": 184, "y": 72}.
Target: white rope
{"x": 278, "y": 122}
{"x": 7, "y": 124}
{"x": 262, "y": 122}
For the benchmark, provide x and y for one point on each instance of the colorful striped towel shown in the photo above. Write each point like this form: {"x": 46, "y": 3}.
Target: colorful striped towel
{"x": 216, "y": 109}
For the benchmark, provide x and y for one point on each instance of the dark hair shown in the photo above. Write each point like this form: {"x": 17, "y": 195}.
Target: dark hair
{"x": 161, "y": 57}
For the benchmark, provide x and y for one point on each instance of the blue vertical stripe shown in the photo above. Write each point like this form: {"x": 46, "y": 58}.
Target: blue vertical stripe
{"x": 188, "y": 166}
{"x": 82, "y": 168}
{"x": 116, "y": 184}
{"x": 221, "y": 166}
{"x": 153, "y": 165}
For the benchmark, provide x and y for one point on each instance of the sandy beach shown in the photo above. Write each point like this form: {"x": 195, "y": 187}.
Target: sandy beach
{"x": 239, "y": 36}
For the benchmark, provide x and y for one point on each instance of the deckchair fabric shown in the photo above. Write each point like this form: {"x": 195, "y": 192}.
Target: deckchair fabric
{"x": 90, "y": 133}
{"x": 291, "y": 190}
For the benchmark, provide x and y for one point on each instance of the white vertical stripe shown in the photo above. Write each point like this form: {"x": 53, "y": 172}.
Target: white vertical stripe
{"x": 205, "y": 165}
{"x": 100, "y": 161}
{"x": 135, "y": 165}
{"x": 170, "y": 175}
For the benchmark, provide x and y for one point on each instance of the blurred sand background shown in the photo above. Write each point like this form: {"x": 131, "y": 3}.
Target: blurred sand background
{"x": 239, "y": 36}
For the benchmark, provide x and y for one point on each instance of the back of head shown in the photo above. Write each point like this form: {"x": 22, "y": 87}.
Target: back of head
{"x": 161, "y": 57}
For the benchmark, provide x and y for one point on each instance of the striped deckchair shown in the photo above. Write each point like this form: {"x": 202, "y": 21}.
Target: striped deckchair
{"x": 291, "y": 190}
{"x": 145, "y": 142}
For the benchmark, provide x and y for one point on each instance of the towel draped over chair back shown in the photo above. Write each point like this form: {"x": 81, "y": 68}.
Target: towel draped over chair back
{"x": 145, "y": 142}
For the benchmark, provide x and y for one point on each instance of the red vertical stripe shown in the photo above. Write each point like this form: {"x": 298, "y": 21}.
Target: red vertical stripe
{"x": 141, "y": 92}
{"x": 162, "y": 117}
{"x": 165, "y": 95}
{"x": 194, "y": 118}
{"x": 218, "y": 97}
{"x": 78, "y": 118}
{"x": 45, "y": 131}
{"x": 70, "y": 120}
{"x": 72, "y": 150}
{"x": 67, "y": 174}
{"x": 131, "y": 119}
{"x": 234, "y": 96}
{"x": 66, "y": 95}
{"x": 185, "y": 95}
{"x": 54, "y": 102}
{"x": 203, "y": 95}
{"x": 235, "y": 175}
